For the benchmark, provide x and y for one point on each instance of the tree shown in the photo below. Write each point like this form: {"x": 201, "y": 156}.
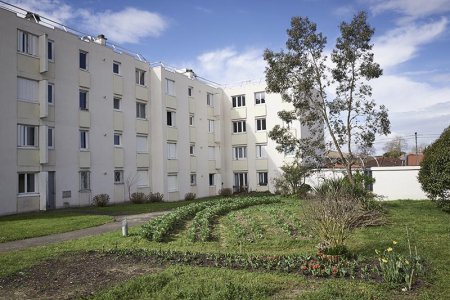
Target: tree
{"x": 434, "y": 174}
{"x": 395, "y": 147}
{"x": 300, "y": 74}
{"x": 292, "y": 181}
{"x": 131, "y": 180}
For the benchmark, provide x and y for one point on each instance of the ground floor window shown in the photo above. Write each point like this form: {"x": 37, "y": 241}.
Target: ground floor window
{"x": 118, "y": 176}
{"x": 240, "y": 181}
{"x": 211, "y": 180}
{"x": 85, "y": 180}
{"x": 262, "y": 178}
{"x": 28, "y": 183}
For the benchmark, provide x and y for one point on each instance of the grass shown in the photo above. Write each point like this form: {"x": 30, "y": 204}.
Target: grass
{"x": 428, "y": 226}
{"x": 28, "y": 225}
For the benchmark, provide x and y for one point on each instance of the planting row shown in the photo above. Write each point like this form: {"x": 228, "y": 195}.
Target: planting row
{"x": 201, "y": 227}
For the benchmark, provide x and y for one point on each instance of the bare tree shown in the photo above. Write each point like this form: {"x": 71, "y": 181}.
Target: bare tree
{"x": 395, "y": 147}
{"x": 131, "y": 180}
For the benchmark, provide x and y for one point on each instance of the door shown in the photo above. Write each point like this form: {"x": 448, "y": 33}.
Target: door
{"x": 51, "y": 195}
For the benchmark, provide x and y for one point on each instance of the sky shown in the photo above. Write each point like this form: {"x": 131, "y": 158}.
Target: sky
{"x": 223, "y": 41}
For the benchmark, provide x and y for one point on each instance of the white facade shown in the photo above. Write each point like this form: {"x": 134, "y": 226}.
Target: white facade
{"x": 79, "y": 118}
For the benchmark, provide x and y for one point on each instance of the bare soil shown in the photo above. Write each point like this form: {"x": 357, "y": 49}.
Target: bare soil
{"x": 74, "y": 276}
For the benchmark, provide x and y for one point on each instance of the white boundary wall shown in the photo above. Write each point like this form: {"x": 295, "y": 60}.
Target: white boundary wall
{"x": 392, "y": 183}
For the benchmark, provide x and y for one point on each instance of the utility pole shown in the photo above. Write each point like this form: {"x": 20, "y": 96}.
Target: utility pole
{"x": 415, "y": 135}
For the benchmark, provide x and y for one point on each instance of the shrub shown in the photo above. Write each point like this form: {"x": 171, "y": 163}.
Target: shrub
{"x": 100, "y": 200}
{"x": 225, "y": 192}
{"x": 155, "y": 197}
{"x": 190, "y": 196}
{"x": 434, "y": 174}
{"x": 138, "y": 198}
{"x": 292, "y": 179}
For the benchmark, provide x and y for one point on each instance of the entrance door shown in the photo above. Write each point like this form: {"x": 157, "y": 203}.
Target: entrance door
{"x": 51, "y": 195}
{"x": 240, "y": 182}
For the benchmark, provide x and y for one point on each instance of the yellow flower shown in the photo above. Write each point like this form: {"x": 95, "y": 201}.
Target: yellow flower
{"x": 384, "y": 260}
{"x": 394, "y": 242}
{"x": 377, "y": 252}
{"x": 389, "y": 249}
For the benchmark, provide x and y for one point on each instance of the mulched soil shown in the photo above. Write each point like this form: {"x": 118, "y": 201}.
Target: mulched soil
{"x": 74, "y": 275}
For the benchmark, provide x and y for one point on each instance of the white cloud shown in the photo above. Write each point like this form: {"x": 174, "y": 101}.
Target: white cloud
{"x": 411, "y": 9}
{"x": 227, "y": 65}
{"x": 402, "y": 43}
{"x": 128, "y": 25}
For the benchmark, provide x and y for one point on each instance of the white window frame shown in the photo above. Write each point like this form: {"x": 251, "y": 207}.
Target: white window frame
{"x": 191, "y": 120}
{"x": 170, "y": 87}
{"x": 171, "y": 119}
{"x": 143, "y": 142}
{"x": 86, "y": 92}
{"x": 51, "y": 137}
{"x": 241, "y": 126}
{"x": 261, "y": 124}
{"x": 211, "y": 126}
{"x": 118, "y": 136}
{"x": 264, "y": 175}
{"x": 117, "y": 100}
{"x": 140, "y": 110}
{"x": 192, "y": 149}
{"x": 87, "y": 60}
{"x": 238, "y": 101}
{"x": 118, "y": 176}
{"x": 118, "y": 64}
{"x": 27, "y": 177}
{"x": 210, "y": 99}
{"x": 172, "y": 182}
{"x": 51, "y": 53}
{"x": 140, "y": 77}
{"x": 193, "y": 179}
{"x": 239, "y": 152}
{"x": 211, "y": 153}
{"x": 27, "y": 43}
{"x": 171, "y": 150}
{"x": 85, "y": 180}
{"x": 260, "y": 98}
{"x": 261, "y": 151}
{"x": 240, "y": 177}
{"x": 84, "y": 134}
{"x": 27, "y": 90}
{"x": 143, "y": 179}
{"x": 23, "y": 136}
{"x": 51, "y": 94}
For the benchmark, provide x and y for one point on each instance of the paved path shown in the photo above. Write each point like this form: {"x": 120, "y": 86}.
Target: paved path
{"x": 72, "y": 235}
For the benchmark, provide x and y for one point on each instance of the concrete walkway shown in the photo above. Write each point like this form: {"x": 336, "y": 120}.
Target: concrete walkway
{"x": 72, "y": 235}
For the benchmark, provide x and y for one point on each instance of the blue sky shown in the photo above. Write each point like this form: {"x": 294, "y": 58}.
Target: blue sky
{"x": 224, "y": 40}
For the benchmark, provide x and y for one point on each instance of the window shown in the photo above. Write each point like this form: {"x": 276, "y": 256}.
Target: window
{"x": 262, "y": 178}
{"x": 84, "y": 139}
{"x": 190, "y": 91}
{"x": 50, "y": 51}
{"x": 261, "y": 151}
{"x": 142, "y": 176}
{"x": 192, "y": 149}
{"x": 191, "y": 120}
{"x": 211, "y": 180}
{"x": 260, "y": 97}
{"x": 240, "y": 181}
{"x": 116, "y": 103}
{"x": 170, "y": 87}
{"x": 171, "y": 151}
{"x": 260, "y": 124}
{"x": 27, "y": 90}
{"x": 27, "y": 136}
{"x": 211, "y": 126}
{"x": 51, "y": 138}
{"x": 171, "y": 118}
{"x": 83, "y": 60}
{"x": 117, "y": 139}
{"x": 193, "y": 179}
{"x": 172, "y": 183}
{"x": 85, "y": 180}
{"x": 83, "y": 100}
{"x": 140, "y": 110}
{"x": 209, "y": 99}
{"x": 140, "y": 77}
{"x": 211, "y": 153}
{"x": 239, "y": 126}
{"x": 28, "y": 183}
{"x": 50, "y": 93}
{"x": 27, "y": 43}
{"x": 116, "y": 67}
{"x": 118, "y": 176}
{"x": 238, "y": 100}
{"x": 141, "y": 144}
{"x": 239, "y": 152}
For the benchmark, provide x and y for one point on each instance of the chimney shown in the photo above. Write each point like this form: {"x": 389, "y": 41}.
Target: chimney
{"x": 32, "y": 17}
{"x": 101, "y": 39}
{"x": 190, "y": 74}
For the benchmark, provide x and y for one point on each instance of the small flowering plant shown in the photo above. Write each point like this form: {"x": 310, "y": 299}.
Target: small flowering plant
{"x": 397, "y": 268}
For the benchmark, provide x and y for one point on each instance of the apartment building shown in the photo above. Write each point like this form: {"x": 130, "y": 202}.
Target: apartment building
{"x": 80, "y": 117}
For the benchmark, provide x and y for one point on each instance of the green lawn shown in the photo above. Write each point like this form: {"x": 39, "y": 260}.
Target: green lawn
{"x": 263, "y": 230}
